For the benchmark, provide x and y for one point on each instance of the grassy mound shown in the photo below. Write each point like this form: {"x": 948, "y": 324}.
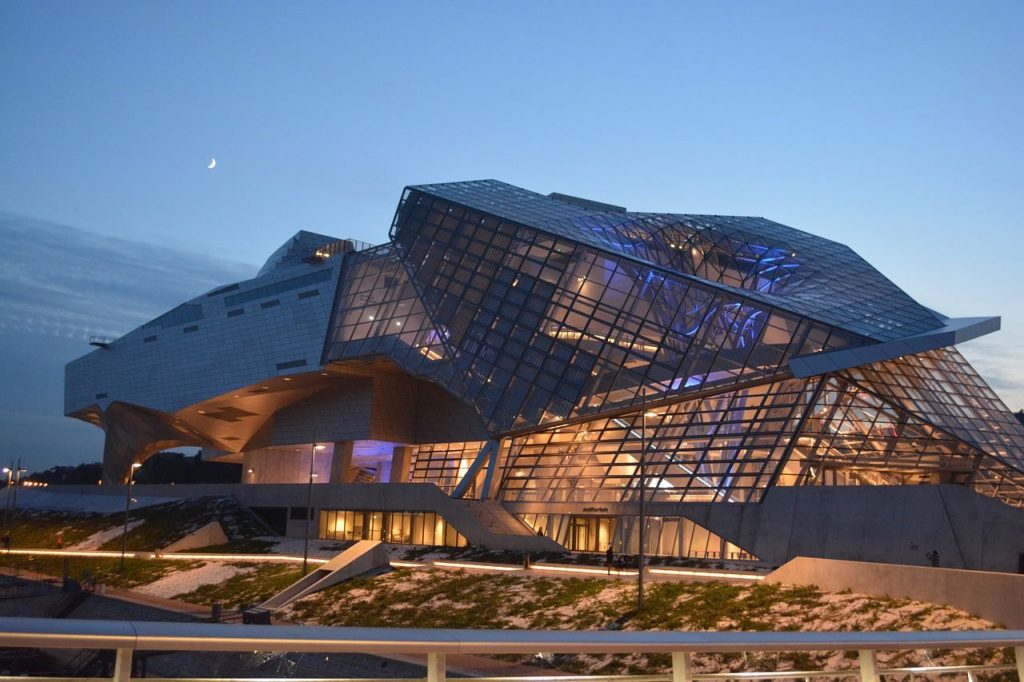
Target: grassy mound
{"x": 151, "y": 528}
{"x": 457, "y": 599}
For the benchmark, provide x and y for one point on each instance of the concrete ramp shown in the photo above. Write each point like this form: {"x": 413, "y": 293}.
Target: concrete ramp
{"x": 209, "y": 535}
{"x": 357, "y": 559}
{"x": 486, "y": 523}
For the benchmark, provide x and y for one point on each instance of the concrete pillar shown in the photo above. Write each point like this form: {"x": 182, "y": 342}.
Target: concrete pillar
{"x": 435, "y": 668}
{"x": 123, "y": 666}
{"x": 682, "y": 671}
{"x": 488, "y": 488}
{"x": 401, "y": 464}
{"x": 868, "y": 665}
{"x": 341, "y": 462}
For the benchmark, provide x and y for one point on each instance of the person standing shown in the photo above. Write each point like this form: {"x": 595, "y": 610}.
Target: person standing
{"x": 609, "y": 558}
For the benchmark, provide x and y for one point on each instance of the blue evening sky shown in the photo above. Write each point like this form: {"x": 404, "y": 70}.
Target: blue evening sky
{"x": 894, "y": 127}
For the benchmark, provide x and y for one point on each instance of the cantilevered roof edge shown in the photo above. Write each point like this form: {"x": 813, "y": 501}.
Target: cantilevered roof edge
{"x": 953, "y": 332}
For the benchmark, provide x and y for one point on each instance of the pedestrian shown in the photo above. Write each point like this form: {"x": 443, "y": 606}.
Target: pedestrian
{"x": 7, "y": 540}
{"x": 60, "y": 540}
{"x": 933, "y": 558}
{"x": 609, "y": 558}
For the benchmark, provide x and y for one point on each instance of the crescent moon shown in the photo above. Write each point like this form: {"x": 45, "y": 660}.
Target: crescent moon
{"x": 213, "y": 164}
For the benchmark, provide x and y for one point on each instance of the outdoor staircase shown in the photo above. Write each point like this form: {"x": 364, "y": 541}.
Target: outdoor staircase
{"x": 498, "y": 527}
{"x": 358, "y": 558}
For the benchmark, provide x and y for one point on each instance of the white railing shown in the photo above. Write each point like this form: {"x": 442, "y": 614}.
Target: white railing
{"x": 126, "y": 637}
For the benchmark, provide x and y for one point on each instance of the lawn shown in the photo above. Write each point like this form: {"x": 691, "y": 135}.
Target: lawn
{"x": 104, "y": 570}
{"x": 151, "y": 528}
{"x": 458, "y": 599}
{"x": 257, "y": 584}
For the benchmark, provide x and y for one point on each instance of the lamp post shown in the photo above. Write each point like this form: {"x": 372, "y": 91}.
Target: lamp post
{"x": 13, "y": 481}
{"x": 309, "y": 504}
{"x": 643, "y": 510}
{"x": 7, "y": 502}
{"x": 127, "y": 504}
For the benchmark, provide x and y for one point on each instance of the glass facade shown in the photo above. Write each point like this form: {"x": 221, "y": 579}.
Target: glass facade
{"x": 405, "y": 528}
{"x": 562, "y": 344}
{"x": 558, "y": 321}
{"x": 444, "y": 464}
{"x": 666, "y": 536}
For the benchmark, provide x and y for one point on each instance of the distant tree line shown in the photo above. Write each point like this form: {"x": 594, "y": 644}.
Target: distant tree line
{"x": 163, "y": 467}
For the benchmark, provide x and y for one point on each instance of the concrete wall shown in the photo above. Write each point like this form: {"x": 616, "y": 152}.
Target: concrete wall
{"x": 477, "y": 525}
{"x": 885, "y": 524}
{"x": 998, "y": 597}
{"x": 882, "y": 524}
{"x": 284, "y": 465}
{"x": 209, "y": 535}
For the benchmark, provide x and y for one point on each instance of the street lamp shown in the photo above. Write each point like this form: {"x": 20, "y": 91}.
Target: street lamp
{"x": 127, "y": 503}
{"x": 11, "y": 503}
{"x": 641, "y": 555}
{"x": 7, "y": 502}
{"x": 309, "y": 504}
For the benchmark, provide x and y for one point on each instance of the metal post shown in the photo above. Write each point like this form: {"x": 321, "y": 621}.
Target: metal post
{"x": 123, "y": 666}
{"x": 643, "y": 503}
{"x": 868, "y": 665}
{"x": 435, "y": 668}
{"x": 682, "y": 671}
{"x": 7, "y": 501}
{"x": 17, "y": 482}
{"x": 309, "y": 508}
{"x": 127, "y": 505}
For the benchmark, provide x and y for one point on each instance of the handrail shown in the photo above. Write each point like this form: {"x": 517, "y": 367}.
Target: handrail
{"x": 166, "y": 636}
{"x": 128, "y": 636}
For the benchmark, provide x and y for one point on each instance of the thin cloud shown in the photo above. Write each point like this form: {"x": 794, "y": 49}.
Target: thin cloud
{"x": 60, "y": 286}
{"x": 59, "y": 280}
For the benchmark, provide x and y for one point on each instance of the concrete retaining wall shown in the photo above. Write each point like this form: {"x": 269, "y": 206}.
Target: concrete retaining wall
{"x": 998, "y": 597}
{"x": 209, "y": 535}
{"x": 425, "y": 497}
{"x": 885, "y": 524}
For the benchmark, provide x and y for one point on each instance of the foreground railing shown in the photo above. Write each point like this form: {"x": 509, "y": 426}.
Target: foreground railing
{"x": 128, "y": 637}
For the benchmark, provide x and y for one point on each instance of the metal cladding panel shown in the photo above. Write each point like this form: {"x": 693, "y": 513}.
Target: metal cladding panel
{"x": 233, "y": 336}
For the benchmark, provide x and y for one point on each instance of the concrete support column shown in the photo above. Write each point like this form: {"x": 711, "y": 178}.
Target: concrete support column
{"x": 341, "y": 462}
{"x": 435, "y": 668}
{"x": 401, "y": 464}
{"x": 868, "y": 665}
{"x": 682, "y": 671}
{"x": 1018, "y": 653}
{"x": 123, "y": 666}
{"x": 492, "y": 477}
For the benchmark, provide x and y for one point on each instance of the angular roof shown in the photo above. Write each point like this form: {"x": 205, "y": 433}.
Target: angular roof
{"x": 297, "y": 249}
{"x": 763, "y": 260}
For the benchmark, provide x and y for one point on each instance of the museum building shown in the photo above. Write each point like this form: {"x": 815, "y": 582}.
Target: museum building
{"x": 552, "y": 359}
